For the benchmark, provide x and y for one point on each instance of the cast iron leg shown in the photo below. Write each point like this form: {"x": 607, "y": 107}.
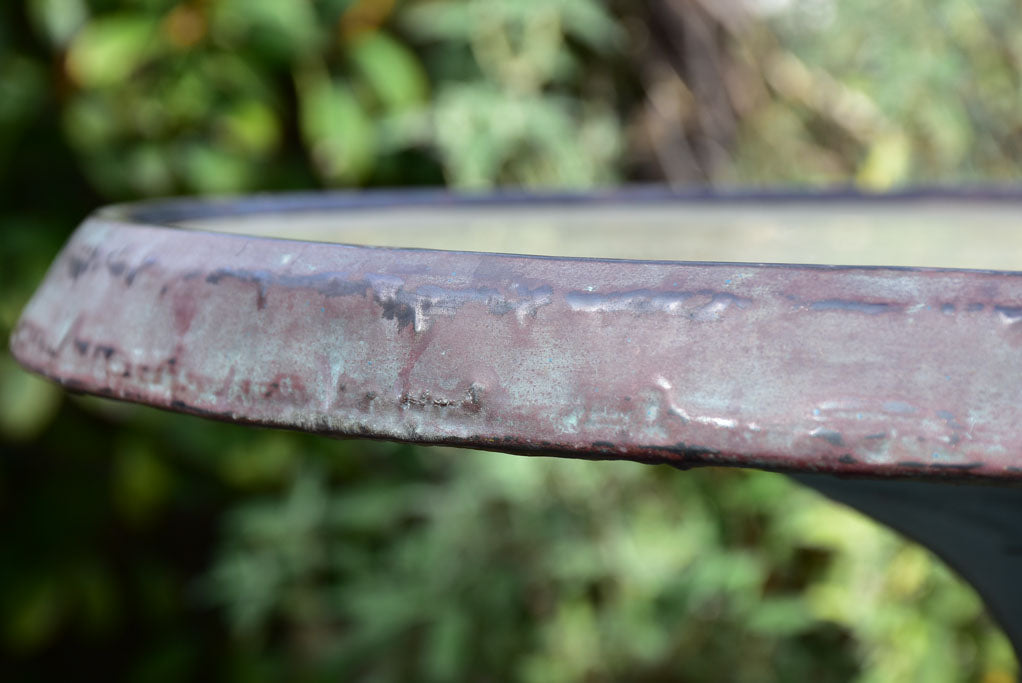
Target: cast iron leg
{"x": 976, "y": 529}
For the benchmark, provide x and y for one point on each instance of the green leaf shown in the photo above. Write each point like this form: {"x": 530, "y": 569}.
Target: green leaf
{"x": 57, "y": 20}
{"x": 33, "y": 614}
{"x": 251, "y": 126}
{"x": 887, "y": 163}
{"x": 338, "y": 134}
{"x": 590, "y": 22}
{"x": 275, "y": 30}
{"x": 266, "y": 462}
{"x": 28, "y": 403}
{"x": 781, "y": 616}
{"x": 141, "y": 482}
{"x": 98, "y": 601}
{"x": 210, "y": 168}
{"x": 390, "y": 70}
{"x": 110, "y": 49}
{"x": 445, "y": 648}
{"x": 439, "y": 20}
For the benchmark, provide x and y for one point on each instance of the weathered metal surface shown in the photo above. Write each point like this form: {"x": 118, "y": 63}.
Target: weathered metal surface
{"x": 849, "y": 370}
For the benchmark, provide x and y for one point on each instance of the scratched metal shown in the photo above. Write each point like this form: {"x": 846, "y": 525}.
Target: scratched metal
{"x": 862, "y": 371}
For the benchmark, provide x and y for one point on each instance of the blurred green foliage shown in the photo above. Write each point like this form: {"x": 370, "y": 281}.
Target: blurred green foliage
{"x": 159, "y": 547}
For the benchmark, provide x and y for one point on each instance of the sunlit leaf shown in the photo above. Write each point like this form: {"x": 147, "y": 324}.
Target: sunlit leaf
{"x": 58, "y": 20}
{"x": 390, "y": 69}
{"x": 338, "y": 132}
{"x": 251, "y": 126}
{"x": 887, "y": 163}
{"x": 110, "y": 49}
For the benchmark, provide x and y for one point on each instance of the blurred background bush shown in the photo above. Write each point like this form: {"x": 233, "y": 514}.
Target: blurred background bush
{"x": 157, "y": 547}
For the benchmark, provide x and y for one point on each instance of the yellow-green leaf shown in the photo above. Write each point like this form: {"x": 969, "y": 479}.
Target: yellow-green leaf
{"x": 390, "y": 69}
{"x": 338, "y": 133}
{"x": 109, "y": 50}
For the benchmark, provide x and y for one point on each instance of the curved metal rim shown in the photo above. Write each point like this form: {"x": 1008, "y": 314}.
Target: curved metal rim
{"x": 743, "y": 340}
{"x": 168, "y": 213}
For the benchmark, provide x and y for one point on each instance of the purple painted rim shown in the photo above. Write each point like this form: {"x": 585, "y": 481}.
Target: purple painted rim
{"x": 865, "y": 371}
